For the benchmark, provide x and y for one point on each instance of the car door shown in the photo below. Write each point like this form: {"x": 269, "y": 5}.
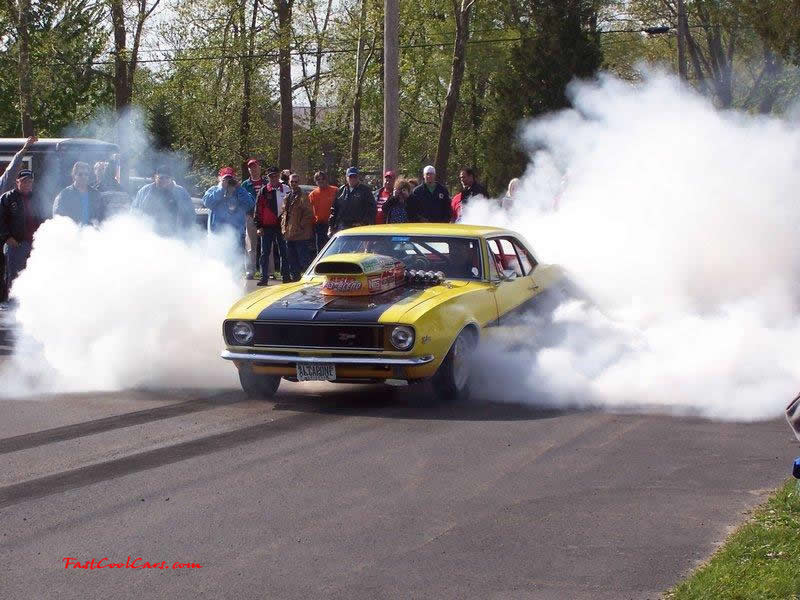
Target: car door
{"x": 513, "y": 269}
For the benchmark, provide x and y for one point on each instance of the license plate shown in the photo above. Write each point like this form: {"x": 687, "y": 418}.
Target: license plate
{"x": 316, "y": 372}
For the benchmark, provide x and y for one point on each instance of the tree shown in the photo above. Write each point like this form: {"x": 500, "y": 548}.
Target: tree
{"x": 558, "y": 45}
{"x": 736, "y": 49}
{"x": 65, "y": 41}
{"x": 311, "y": 82}
{"x": 363, "y": 56}
{"x": 283, "y": 8}
{"x": 19, "y": 12}
{"x": 126, "y": 61}
{"x": 461, "y": 14}
{"x": 248, "y": 37}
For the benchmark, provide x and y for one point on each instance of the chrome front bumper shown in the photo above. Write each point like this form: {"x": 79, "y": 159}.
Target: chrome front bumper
{"x": 336, "y": 360}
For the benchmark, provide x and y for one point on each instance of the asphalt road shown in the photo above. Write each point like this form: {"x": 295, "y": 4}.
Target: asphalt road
{"x": 355, "y": 492}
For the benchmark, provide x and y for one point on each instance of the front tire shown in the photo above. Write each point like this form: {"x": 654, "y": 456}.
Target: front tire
{"x": 452, "y": 380}
{"x": 258, "y": 386}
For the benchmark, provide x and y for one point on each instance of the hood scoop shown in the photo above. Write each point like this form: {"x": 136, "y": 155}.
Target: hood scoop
{"x": 360, "y": 274}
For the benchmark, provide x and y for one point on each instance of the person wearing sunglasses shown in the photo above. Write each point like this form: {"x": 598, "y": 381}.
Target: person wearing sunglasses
{"x": 79, "y": 202}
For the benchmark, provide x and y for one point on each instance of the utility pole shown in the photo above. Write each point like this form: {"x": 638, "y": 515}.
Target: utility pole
{"x": 682, "y": 37}
{"x": 391, "y": 79}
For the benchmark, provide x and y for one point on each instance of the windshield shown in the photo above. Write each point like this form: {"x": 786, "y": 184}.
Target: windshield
{"x": 458, "y": 258}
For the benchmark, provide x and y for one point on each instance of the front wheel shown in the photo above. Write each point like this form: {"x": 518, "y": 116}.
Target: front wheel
{"x": 452, "y": 380}
{"x": 258, "y": 386}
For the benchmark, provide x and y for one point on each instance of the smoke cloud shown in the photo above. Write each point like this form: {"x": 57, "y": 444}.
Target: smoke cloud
{"x": 118, "y": 307}
{"x": 681, "y": 223}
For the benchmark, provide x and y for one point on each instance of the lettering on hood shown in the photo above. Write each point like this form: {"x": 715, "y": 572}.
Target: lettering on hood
{"x": 341, "y": 284}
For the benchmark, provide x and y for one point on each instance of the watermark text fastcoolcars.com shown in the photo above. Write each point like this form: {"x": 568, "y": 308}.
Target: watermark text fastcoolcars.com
{"x": 70, "y": 562}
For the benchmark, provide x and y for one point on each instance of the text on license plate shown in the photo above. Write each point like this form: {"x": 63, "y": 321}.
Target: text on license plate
{"x": 316, "y": 372}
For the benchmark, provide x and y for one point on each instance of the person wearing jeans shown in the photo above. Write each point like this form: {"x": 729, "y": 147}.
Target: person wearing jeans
{"x": 270, "y": 237}
{"x": 20, "y": 217}
{"x": 297, "y": 225}
{"x": 265, "y": 217}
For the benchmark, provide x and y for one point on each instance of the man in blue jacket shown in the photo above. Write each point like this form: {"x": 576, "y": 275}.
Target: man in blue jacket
{"x": 167, "y": 203}
{"x": 229, "y": 203}
{"x": 79, "y": 202}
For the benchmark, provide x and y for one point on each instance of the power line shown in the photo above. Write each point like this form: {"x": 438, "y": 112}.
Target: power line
{"x": 275, "y": 54}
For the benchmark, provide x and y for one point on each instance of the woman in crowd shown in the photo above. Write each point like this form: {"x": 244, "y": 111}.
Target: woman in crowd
{"x": 394, "y": 209}
{"x": 508, "y": 201}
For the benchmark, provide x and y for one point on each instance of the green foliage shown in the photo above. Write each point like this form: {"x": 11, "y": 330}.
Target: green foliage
{"x": 67, "y": 37}
{"x": 556, "y": 48}
{"x": 194, "y": 101}
{"x": 758, "y": 561}
{"x": 777, "y": 22}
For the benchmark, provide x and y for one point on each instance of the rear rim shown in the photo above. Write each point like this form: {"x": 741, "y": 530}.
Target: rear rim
{"x": 461, "y": 354}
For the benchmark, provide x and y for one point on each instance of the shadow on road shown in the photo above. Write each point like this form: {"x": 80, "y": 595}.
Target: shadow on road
{"x": 309, "y": 411}
{"x": 77, "y": 430}
{"x": 414, "y": 402}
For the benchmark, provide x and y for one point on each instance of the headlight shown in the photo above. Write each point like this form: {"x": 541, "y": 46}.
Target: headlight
{"x": 242, "y": 332}
{"x": 402, "y": 337}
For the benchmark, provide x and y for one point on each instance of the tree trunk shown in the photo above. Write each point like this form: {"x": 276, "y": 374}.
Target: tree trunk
{"x": 25, "y": 92}
{"x": 247, "y": 71}
{"x": 320, "y": 34}
{"x": 451, "y": 100}
{"x": 682, "y": 29}
{"x": 122, "y": 90}
{"x": 355, "y": 139}
{"x": 285, "y": 82}
{"x": 312, "y": 102}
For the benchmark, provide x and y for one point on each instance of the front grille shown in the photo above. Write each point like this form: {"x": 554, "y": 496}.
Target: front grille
{"x": 319, "y": 335}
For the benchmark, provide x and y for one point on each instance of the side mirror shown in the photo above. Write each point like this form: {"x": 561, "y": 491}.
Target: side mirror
{"x": 508, "y": 275}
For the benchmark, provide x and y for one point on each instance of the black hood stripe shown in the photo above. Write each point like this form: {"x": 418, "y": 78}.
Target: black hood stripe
{"x": 310, "y": 304}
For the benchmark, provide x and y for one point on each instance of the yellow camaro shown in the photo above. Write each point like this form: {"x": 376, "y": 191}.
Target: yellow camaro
{"x": 390, "y": 304}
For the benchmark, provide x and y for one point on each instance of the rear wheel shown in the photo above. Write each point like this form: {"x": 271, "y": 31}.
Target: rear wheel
{"x": 452, "y": 380}
{"x": 258, "y": 386}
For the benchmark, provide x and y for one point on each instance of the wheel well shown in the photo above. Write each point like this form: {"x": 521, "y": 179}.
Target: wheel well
{"x": 474, "y": 329}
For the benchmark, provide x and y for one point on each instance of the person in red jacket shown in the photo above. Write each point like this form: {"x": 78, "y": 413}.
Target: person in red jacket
{"x": 268, "y": 207}
{"x": 382, "y": 195}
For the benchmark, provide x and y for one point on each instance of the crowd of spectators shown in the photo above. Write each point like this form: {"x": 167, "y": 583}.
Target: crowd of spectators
{"x": 279, "y": 228}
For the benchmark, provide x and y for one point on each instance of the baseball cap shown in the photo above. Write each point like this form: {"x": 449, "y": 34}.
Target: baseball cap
{"x": 352, "y": 171}
{"x": 227, "y": 172}
{"x": 273, "y": 171}
{"x": 25, "y": 173}
{"x": 388, "y": 173}
{"x": 253, "y": 161}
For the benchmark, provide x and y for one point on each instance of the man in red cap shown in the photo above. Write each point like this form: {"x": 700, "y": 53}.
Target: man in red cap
{"x": 253, "y": 185}
{"x": 382, "y": 195}
{"x": 229, "y": 203}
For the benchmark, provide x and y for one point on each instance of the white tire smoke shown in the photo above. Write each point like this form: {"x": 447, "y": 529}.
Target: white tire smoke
{"x": 682, "y": 222}
{"x": 118, "y": 307}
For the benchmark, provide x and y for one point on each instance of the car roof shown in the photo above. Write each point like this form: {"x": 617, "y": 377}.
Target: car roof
{"x": 443, "y": 229}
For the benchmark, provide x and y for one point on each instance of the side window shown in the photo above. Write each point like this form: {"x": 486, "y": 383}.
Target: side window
{"x": 528, "y": 262}
{"x": 495, "y": 263}
{"x": 509, "y": 257}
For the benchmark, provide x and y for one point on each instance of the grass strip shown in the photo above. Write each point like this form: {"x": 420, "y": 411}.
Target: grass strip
{"x": 761, "y": 560}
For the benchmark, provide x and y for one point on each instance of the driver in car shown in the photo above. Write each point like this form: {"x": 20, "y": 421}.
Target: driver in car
{"x": 384, "y": 247}
{"x": 462, "y": 260}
